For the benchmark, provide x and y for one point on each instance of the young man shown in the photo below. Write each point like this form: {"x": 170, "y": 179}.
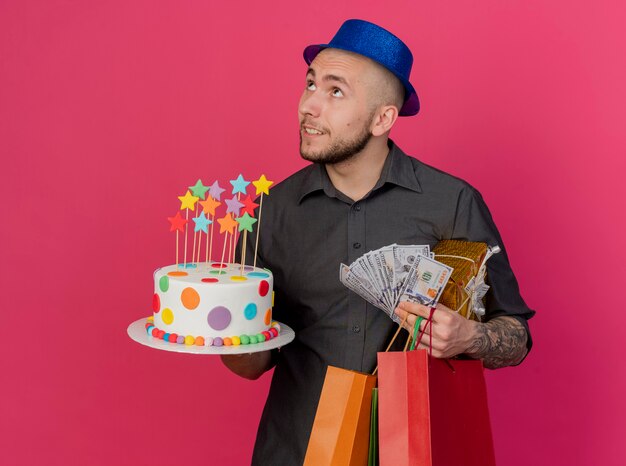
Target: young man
{"x": 362, "y": 193}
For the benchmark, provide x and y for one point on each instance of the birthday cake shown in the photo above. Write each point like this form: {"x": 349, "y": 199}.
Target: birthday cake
{"x": 213, "y": 304}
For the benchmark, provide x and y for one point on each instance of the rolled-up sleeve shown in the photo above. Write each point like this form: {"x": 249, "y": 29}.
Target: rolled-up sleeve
{"x": 473, "y": 222}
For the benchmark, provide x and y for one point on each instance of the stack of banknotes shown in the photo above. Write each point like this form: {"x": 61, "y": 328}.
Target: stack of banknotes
{"x": 396, "y": 273}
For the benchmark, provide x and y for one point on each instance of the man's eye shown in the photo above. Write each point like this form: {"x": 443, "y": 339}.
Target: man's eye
{"x": 337, "y": 92}
{"x": 310, "y": 85}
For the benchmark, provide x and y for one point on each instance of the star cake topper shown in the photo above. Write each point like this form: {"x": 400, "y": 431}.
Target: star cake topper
{"x": 262, "y": 185}
{"x": 177, "y": 222}
{"x": 188, "y": 201}
{"x": 234, "y": 206}
{"x": 201, "y": 222}
{"x": 215, "y": 191}
{"x": 227, "y": 223}
{"x": 245, "y": 222}
{"x": 209, "y": 206}
{"x": 239, "y": 185}
{"x": 249, "y": 205}
{"x": 199, "y": 190}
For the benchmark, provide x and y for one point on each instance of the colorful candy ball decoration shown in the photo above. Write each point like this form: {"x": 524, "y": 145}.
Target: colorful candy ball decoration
{"x": 189, "y": 340}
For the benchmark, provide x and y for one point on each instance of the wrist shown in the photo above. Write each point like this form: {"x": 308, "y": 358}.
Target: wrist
{"x": 476, "y": 336}
{"x": 249, "y": 366}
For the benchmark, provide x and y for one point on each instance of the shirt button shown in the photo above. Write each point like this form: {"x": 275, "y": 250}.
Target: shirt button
{"x": 357, "y": 207}
{"x": 356, "y": 245}
{"x": 356, "y": 329}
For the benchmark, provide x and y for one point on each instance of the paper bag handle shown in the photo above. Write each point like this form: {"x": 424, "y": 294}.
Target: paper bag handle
{"x": 419, "y": 337}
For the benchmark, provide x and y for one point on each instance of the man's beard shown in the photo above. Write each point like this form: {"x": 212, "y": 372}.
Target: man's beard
{"x": 340, "y": 150}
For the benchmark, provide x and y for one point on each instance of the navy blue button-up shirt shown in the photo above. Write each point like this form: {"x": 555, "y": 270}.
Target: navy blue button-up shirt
{"x": 308, "y": 228}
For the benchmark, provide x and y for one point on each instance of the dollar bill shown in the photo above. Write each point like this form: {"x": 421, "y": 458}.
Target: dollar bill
{"x": 363, "y": 268}
{"x": 404, "y": 258}
{"x": 384, "y": 274}
{"x": 425, "y": 281}
{"x": 360, "y": 287}
{"x": 393, "y": 273}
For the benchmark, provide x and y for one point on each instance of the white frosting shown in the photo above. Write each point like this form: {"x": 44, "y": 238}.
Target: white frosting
{"x": 234, "y": 295}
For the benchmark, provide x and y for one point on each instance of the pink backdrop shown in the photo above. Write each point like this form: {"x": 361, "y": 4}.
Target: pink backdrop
{"x": 109, "y": 109}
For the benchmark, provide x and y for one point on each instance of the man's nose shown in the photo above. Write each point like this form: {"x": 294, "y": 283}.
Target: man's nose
{"x": 310, "y": 104}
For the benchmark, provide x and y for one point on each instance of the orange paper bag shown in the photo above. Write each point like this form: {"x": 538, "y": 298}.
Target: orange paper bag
{"x": 432, "y": 412}
{"x": 341, "y": 429}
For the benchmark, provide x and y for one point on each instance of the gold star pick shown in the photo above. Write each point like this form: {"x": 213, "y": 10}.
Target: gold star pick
{"x": 188, "y": 201}
{"x": 262, "y": 185}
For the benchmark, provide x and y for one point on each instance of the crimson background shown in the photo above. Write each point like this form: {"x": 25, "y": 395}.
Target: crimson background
{"x": 108, "y": 109}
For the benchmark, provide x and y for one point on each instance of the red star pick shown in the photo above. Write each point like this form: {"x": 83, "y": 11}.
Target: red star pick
{"x": 249, "y": 205}
{"x": 177, "y": 222}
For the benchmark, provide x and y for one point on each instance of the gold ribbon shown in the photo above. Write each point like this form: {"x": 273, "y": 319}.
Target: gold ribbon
{"x": 460, "y": 291}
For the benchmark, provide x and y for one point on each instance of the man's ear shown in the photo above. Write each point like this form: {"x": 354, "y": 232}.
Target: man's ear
{"x": 384, "y": 119}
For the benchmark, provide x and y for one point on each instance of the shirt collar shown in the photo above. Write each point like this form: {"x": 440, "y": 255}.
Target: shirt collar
{"x": 397, "y": 170}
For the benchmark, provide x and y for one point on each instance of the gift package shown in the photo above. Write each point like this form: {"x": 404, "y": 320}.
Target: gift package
{"x": 467, "y": 287}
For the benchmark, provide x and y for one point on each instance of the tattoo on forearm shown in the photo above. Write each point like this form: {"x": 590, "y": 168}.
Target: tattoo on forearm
{"x": 501, "y": 342}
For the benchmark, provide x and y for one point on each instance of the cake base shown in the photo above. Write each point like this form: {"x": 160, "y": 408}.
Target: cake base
{"x": 137, "y": 331}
